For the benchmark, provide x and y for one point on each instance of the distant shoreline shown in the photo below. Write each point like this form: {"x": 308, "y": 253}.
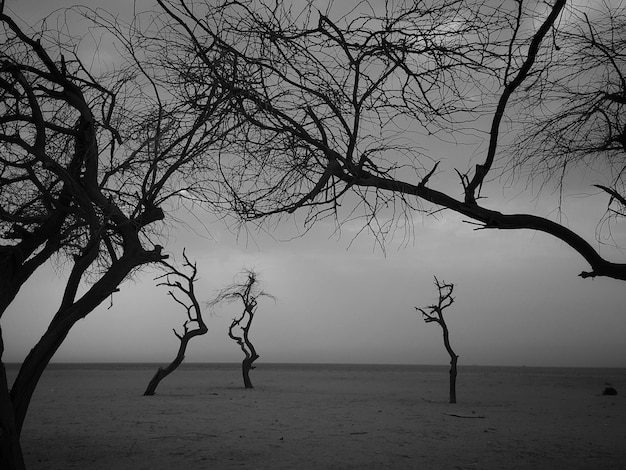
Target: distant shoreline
{"x": 311, "y": 365}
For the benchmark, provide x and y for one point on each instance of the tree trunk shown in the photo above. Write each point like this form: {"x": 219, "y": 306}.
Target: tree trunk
{"x": 161, "y": 372}
{"x": 11, "y": 457}
{"x": 246, "y": 366}
{"x": 453, "y": 362}
{"x": 32, "y": 369}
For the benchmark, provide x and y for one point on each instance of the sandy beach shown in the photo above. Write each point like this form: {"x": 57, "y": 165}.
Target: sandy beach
{"x": 326, "y": 417}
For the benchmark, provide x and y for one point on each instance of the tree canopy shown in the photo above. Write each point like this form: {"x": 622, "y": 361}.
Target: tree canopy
{"x": 345, "y": 113}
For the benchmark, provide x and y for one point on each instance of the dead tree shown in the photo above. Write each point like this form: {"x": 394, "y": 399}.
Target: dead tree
{"x": 244, "y": 322}
{"x": 435, "y": 314}
{"x": 173, "y": 279}
{"x": 248, "y": 292}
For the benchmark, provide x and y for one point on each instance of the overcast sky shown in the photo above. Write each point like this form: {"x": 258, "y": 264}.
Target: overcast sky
{"x": 519, "y": 300}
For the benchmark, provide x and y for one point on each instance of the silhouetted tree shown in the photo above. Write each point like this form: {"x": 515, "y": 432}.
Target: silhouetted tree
{"x": 434, "y": 313}
{"x": 343, "y": 107}
{"x": 248, "y": 293}
{"x": 182, "y": 283}
{"x": 86, "y": 166}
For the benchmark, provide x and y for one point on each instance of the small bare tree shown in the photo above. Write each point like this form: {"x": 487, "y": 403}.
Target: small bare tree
{"x": 248, "y": 292}
{"x": 435, "y": 314}
{"x": 173, "y": 278}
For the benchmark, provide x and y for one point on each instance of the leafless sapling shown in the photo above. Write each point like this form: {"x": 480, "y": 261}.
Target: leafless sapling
{"x": 181, "y": 282}
{"x": 248, "y": 292}
{"x": 434, "y": 313}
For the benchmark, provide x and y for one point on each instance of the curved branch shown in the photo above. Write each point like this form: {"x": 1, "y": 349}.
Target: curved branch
{"x": 482, "y": 170}
{"x": 497, "y": 220}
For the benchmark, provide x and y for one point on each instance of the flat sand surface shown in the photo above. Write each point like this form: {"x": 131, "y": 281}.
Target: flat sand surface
{"x": 326, "y": 417}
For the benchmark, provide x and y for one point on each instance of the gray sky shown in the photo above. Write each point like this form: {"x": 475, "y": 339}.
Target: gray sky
{"x": 519, "y": 300}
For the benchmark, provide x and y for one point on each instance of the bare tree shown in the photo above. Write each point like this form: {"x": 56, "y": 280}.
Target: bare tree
{"x": 355, "y": 107}
{"x": 86, "y": 167}
{"x": 248, "y": 293}
{"x": 434, "y": 313}
{"x": 52, "y": 201}
{"x": 182, "y": 283}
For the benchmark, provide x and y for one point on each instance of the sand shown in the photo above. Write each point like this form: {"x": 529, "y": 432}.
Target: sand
{"x": 326, "y": 417}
